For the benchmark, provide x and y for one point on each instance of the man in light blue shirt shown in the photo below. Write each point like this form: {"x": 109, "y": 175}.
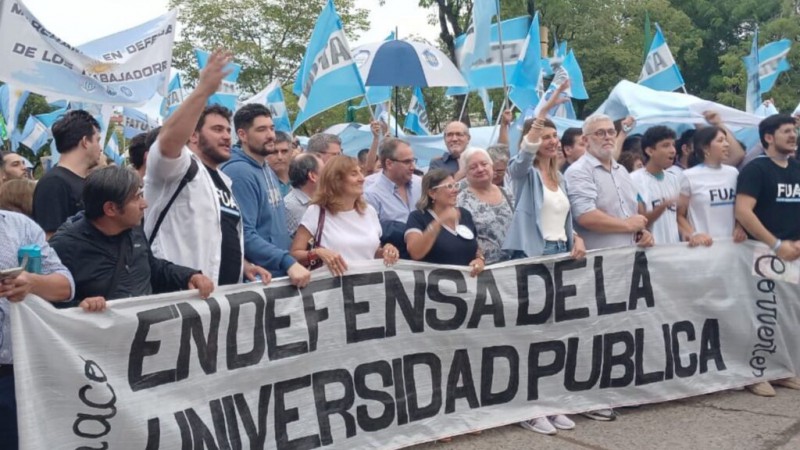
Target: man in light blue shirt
{"x": 395, "y": 192}
{"x": 54, "y": 284}
{"x": 601, "y": 193}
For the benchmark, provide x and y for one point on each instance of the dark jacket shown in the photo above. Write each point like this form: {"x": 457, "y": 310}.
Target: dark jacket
{"x": 92, "y": 258}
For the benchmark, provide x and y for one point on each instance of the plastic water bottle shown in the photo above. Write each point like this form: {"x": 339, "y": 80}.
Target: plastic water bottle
{"x": 34, "y": 255}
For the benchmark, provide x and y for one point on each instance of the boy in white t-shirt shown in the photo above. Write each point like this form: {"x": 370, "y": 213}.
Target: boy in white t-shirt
{"x": 659, "y": 189}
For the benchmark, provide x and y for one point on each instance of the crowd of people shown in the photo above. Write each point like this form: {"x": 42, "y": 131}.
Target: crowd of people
{"x": 196, "y": 211}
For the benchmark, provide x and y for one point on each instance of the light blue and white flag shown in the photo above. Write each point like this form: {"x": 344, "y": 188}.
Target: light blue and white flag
{"x": 228, "y": 92}
{"x": 135, "y": 122}
{"x": 48, "y": 119}
{"x": 797, "y": 110}
{"x": 173, "y": 98}
{"x": 488, "y": 104}
{"x": 478, "y": 37}
{"x": 487, "y": 72}
{"x": 577, "y": 89}
{"x": 417, "y": 117}
{"x": 328, "y": 74}
{"x": 526, "y": 78}
{"x": 112, "y": 149}
{"x": 660, "y": 72}
{"x": 272, "y": 97}
{"x": 772, "y": 61}
{"x": 35, "y": 134}
{"x": 11, "y": 102}
{"x": 125, "y": 68}
{"x": 751, "y": 65}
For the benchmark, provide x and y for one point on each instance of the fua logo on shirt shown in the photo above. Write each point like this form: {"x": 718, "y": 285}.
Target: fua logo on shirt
{"x": 789, "y": 191}
{"x": 226, "y": 200}
{"x": 722, "y": 194}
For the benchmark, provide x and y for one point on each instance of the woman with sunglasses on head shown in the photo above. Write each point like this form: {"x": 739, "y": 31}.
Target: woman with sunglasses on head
{"x": 439, "y": 231}
{"x": 350, "y": 229}
{"x": 542, "y": 222}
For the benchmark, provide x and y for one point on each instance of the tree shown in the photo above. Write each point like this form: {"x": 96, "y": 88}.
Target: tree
{"x": 268, "y": 37}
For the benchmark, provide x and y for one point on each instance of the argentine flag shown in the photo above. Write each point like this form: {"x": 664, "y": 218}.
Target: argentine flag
{"x": 417, "y": 117}
{"x": 173, "y": 98}
{"x": 272, "y": 97}
{"x": 35, "y": 134}
{"x": 328, "y": 74}
{"x": 660, "y": 71}
{"x": 751, "y": 65}
{"x": 112, "y": 149}
{"x": 11, "y": 102}
{"x": 487, "y": 72}
{"x": 771, "y": 62}
{"x": 526, "y": 77}
{"x": 228, "y": 92}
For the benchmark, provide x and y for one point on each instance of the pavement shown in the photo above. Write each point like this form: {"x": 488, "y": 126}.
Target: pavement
{"x": 728, "y": 420}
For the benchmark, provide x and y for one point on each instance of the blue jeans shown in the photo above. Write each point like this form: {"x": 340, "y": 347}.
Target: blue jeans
{"x": 8, "y": 413}
{"x": 554, "y": 247}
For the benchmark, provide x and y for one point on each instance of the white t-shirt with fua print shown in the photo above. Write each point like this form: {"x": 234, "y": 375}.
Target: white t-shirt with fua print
{"x": 712, "y": 194}
{"x": 654, "y": 189}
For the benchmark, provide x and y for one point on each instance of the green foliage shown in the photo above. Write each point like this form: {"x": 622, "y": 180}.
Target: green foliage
{"x": 707, "y": 38}
{"x": 268, "y": 37}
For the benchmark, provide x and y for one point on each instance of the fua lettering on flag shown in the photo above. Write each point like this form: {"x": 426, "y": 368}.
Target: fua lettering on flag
{"x": 417, "y": 117}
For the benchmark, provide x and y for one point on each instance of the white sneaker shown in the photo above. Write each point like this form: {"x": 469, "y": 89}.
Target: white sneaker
{"x": 603, "y": 415}
{"x": 540, "y": 425}
{"x": 562, "y": 422}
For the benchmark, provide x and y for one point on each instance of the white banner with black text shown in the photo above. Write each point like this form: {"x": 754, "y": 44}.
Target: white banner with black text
{"x": 389, "y": 357}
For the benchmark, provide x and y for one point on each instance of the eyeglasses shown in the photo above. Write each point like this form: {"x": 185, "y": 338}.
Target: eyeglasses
{"x": 407, "y": 162}
{"x": 455, "y": 134}
{"x": 448, "y": 186}
{"x": 601, "y": 134}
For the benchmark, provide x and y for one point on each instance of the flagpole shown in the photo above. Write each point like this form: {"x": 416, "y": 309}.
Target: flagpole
{"x": 499, "y": 117}
{"x": 502, "y": 61}
{"x": 463, "y": 106}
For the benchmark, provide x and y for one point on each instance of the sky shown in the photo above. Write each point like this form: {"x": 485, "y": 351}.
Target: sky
{"x": 91, "y": 19}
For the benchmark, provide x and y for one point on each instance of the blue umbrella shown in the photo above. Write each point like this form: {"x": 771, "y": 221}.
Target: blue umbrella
{"x": 404, "y": 63}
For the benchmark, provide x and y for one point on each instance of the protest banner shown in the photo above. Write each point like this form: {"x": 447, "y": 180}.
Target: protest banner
{"x": 125, "y": 68}
{"x": 389, "y": 357}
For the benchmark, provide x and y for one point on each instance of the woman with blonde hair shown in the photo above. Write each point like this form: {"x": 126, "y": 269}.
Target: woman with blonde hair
{"x": 340, "y": 227}
{"x": 17, "y": 196}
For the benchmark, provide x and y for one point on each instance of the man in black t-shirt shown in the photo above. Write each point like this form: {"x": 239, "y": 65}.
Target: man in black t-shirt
{"x": 202, "y": 228}
{"x": 768, "y": 203}
{"x": 58, "y": 193}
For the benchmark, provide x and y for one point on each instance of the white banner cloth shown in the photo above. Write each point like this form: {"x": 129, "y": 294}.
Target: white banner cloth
{"x": 389, "y": 357}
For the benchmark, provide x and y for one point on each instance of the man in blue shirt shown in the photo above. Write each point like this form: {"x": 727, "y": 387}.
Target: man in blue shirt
{"x": 54, "y": 284}
{"x": 255, "y": 187}
{"x": 395, "y": 192}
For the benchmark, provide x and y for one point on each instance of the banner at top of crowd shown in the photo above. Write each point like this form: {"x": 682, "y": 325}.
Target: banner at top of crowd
{"x": 125, "y": 68}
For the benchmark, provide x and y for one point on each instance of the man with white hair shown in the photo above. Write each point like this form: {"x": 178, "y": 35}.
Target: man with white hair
{"x": 456, "y": 139}
{"x": 602, "y": 194}
{"x": 603, "y": 201}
